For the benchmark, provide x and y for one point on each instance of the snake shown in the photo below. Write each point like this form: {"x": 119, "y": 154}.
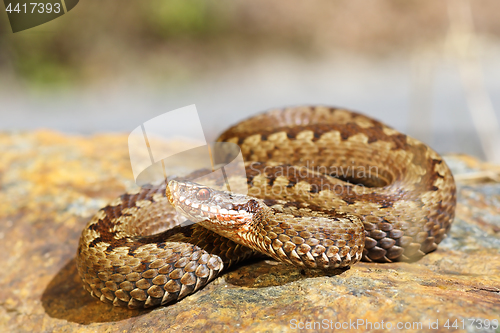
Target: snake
{"x": 327, "y": 187}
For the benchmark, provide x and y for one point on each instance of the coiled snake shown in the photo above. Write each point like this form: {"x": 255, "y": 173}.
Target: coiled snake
{"x": 369, "y": 193}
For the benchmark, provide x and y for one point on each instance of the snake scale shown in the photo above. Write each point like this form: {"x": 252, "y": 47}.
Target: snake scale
{"x": 369, "y": 192}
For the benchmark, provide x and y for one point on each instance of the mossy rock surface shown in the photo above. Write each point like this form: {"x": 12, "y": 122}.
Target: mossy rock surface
{"x": 51, "y": 184}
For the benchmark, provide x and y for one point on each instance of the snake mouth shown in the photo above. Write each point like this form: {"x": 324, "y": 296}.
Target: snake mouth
{"x": 201, "y": 203}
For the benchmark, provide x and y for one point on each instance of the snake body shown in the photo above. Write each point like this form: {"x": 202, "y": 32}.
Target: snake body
{"x": 327, "y": 187}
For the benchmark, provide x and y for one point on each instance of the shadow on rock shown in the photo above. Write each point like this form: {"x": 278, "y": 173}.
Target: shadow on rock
{"x": 269, "y": 273}
{"x": 65, "y": 298}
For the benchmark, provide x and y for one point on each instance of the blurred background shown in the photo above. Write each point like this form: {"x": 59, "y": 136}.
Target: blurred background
{"x": 428, "y": 68}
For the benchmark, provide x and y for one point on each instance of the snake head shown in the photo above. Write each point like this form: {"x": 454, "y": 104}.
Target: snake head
{"x": 201, "y": 203}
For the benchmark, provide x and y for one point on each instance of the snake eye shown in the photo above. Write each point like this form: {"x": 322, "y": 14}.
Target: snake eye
{"x": 203, "y": 194}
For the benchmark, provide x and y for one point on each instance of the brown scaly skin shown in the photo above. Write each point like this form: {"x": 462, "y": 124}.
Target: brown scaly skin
{"x": 306, "y": 236}
{"x": 368, "y": 191}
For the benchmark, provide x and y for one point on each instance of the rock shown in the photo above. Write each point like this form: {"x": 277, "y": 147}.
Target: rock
{"x": 51, "y": 184}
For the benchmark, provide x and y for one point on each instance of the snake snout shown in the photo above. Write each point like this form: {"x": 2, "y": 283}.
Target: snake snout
{"x": 169, "y": 190}
{"x": 189, "y": 199}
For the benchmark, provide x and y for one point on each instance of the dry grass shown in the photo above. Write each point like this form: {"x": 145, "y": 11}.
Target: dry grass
{"x": 100, "y": 38}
